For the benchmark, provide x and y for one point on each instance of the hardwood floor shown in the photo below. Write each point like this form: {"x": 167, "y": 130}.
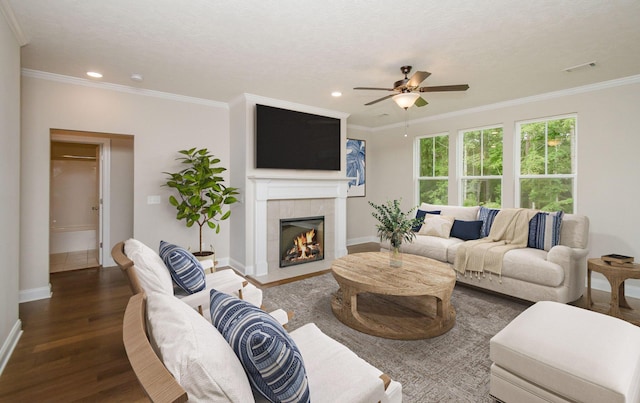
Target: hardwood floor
{"x": 71, "y": 348}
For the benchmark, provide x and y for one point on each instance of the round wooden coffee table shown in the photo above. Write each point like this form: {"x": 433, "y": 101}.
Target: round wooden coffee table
{"x": 406, "y": 303}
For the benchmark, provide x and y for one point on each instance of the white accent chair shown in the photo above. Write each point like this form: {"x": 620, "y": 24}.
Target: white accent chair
{"x": 147, "y": 272}
{"x": 335, "y": 373}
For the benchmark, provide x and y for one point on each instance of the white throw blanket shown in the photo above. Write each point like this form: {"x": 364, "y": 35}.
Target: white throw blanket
{"x": 510, "y": 230}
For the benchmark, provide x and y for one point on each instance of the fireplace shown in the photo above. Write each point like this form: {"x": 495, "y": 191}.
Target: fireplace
{"x": 301, "y": 240}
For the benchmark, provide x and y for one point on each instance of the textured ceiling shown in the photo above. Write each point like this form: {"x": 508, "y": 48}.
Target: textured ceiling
{"x": 302, "y": 50}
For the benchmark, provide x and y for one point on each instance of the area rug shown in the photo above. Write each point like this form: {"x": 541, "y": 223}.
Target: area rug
{"x": 453, "y": 367}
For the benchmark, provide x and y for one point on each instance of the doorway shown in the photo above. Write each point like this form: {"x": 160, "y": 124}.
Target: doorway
{"x": 79, "y": 183}
{"x": 75, "y": 223}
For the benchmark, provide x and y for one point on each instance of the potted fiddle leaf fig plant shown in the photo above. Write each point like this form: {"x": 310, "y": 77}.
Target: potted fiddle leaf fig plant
{"x": 202, "y": 196}
{"x": 395, "y": 226}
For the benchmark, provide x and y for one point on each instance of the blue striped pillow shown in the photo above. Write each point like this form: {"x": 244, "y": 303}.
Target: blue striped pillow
{"x": 185, "y": 269}
{"x": 487, "y": 215}
{"x": 269, "y": 356}
{"x": 544, "y": 230}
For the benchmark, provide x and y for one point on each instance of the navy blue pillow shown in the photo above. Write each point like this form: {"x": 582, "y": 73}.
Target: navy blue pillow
{"x": 466, "y": 230}
{"x": 185, "y": 269}
{"x": 421, "y": 214}
{"x": 268, "y": 354}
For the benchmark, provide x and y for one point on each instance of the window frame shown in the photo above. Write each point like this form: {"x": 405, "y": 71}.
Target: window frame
{"x": 518, "y": 158}
{"x": 461, "y": 163}
{"x": 416, "y": 164}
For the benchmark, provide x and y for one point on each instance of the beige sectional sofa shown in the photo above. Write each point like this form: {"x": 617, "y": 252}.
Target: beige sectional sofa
{"x": 530, "y": 274}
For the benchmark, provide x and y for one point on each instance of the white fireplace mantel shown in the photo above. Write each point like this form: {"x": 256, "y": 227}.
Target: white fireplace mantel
{"x": 283, "y": 188}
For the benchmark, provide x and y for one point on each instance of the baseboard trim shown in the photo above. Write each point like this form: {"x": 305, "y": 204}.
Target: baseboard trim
{"x": 358, "y": 241}
{"x": 10, "y": 344}
{"x": 34, "y": 294}
{"x": 224, "y": 262}
{"x": 237, "y": 266}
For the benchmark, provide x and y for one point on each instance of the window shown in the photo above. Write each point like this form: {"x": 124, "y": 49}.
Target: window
{"x": 481, "y": 179}
{"x": 433, "y": 169}
{"x": 547, "y": 164}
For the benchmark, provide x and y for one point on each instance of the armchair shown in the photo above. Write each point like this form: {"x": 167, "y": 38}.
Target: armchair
{"x": 147, "y": 273}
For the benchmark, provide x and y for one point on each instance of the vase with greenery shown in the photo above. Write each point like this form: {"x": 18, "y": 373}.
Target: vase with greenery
{"x": 395, "y": 226}
{"x": 202, "y": 196}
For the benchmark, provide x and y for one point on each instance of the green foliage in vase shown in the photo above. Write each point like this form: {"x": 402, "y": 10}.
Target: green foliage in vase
{"x": 394, "y": 224}
{"x": 202, "y": 195}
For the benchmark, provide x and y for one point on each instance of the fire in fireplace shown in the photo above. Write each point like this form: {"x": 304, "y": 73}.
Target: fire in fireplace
{"x": 301, "y": 240}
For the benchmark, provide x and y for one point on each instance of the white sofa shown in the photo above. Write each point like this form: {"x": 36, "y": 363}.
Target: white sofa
{"x": 527, "y": 273}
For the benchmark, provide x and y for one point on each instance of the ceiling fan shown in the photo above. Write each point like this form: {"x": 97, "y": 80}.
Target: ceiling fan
{"x": 406, "y": 90}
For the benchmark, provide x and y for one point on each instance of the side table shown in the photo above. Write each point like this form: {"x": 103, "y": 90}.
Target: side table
{"x": 616, "y": 276}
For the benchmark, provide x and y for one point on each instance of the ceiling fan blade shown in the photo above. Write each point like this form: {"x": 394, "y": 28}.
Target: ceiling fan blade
{"x": 378, "y": 100}
{"x": 420, "y": 102}
{"x": 417, "y": 78}
{"x": 438, "y": 88}
{"x": 373, "y": 88}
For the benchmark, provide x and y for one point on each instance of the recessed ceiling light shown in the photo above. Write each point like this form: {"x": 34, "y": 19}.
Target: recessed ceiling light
{"x": 94, "y": 74}
{"x": 136, "y": 77}
{"x": 336, "y": 94}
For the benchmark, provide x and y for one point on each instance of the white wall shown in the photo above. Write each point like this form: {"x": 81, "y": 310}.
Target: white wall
{"x": 359, "y": 219}
{"x": 10, "y": 327}
{"x": 161, "y": 125}
{"x": 608, "y": 162}
{"x": 122, "y": 192}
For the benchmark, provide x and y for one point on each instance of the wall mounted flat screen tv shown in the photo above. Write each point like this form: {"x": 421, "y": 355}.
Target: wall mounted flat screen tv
{"x": 288, "y": 139}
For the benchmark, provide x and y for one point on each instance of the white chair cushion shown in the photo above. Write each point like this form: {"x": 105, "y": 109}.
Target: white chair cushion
{"x": 335, "y": 373}
{"x": 152, "y": 274}
{"x": 195, "y": 353}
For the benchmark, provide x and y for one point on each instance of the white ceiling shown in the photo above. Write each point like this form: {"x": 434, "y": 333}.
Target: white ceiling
{"x": 302, "y": 50}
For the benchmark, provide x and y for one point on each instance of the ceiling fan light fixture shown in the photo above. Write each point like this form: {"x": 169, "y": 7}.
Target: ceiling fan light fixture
{"x": 406, "y": 99}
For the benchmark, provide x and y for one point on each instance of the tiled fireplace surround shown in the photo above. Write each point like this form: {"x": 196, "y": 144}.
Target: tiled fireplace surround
{"x": 281, "y": 198}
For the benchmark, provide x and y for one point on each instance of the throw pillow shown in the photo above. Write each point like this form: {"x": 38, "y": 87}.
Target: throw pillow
{"x": 437, "y": 225}
{"x": 487, "y": 215}
{"x": 544, "y": 230}
{"x": 185, "y": 269}
{"x": 195, "y": 353}
{"x": 466, "y": 230}
{"x": 421, "y": 214}
{"x": 269, "y": 356}
{"x": 151, "y": 271}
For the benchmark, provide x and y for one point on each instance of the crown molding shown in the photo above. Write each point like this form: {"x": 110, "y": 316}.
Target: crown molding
{"x": 9, "y": 15}
{"x": 121, "y": 88}
{"x": 520, "y": 101}
{"x": 358, "y": 127}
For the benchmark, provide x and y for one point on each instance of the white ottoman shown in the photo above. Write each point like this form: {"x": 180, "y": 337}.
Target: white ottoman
{"x": 554, "y": 352}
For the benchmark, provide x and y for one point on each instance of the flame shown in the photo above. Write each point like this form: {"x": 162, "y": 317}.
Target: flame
{"x": 301, "y": 242}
